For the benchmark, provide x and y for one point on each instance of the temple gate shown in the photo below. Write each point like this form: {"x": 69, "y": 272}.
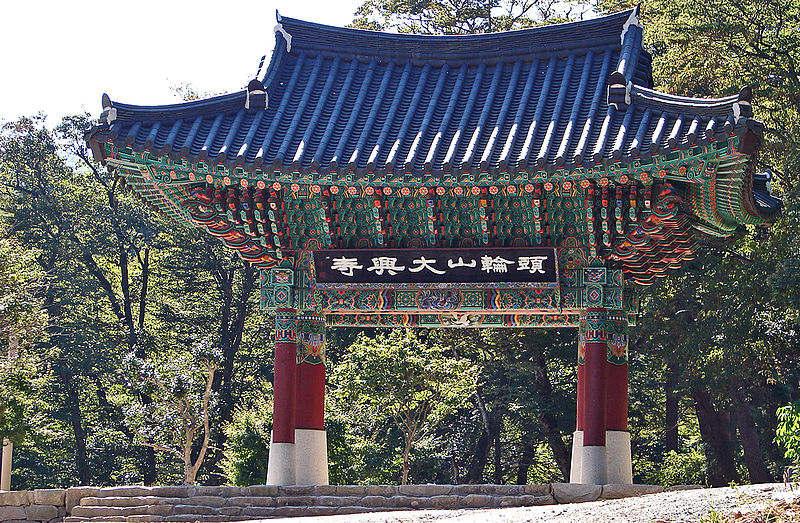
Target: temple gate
{"x": 530, "y": 178}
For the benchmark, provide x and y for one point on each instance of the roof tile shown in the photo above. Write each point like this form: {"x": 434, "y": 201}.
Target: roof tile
{"x": 346, "y": 99}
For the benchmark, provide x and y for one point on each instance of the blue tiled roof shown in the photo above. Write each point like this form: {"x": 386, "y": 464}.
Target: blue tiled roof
{"x": 346, "y": 99}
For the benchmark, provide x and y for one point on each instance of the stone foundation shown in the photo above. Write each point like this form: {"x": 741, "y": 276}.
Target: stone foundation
{"x": 190, "y": 503}
{"x": 33, "y": 506}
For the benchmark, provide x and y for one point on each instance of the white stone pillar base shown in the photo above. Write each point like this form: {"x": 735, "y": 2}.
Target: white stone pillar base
{"x": 593, "y": 465}
{"x": 311, "y": 456}
{"x": 281, "y": 465}
{"x": 618, "y": 457}
{"x": 619, "y": 469}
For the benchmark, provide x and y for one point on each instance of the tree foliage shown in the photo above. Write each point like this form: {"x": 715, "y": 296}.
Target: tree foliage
{"x": 404, "y": 378}
{"x": 173, "y": 412}
{"x": 122, "y": 283}
{"x": 247, "y": 442}
{"x": 788, "y": 433}
{"x": 460, "y": 17}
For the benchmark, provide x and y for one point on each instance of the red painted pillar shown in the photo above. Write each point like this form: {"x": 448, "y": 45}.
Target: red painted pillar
{"x": 581, "y": 386}
{"x": 310, "y": 413}
{"x": 310, "y": 437}
{"x": 311, "y": 372}
{"x": 601, "y": 445}
{"x": 616, "y": 396}
{"x": 618, "y": 439}
{"x": 580, "y": 402}
{"x": 589, "y": 459}
{"x": 281, "y": 466}
{"x": 594, "y": 413}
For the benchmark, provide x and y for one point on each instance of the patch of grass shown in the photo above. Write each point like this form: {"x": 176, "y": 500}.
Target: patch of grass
{"x": 713, "y": 516}
{"x": 776, "y": 512}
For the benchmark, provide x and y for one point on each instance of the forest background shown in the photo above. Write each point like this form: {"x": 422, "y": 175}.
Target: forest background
{"x": 122, "y": 334}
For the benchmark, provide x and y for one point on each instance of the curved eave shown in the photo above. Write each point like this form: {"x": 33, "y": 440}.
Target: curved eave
{"x": 735, "y": 196}
{"x": 651, "y": 125}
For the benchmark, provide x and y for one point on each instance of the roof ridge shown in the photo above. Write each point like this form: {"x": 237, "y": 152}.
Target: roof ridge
{"x": 628, "y": 15}
{"x": 651, "y": 97}
{"x": 192, "y": 108}
{"x": 610, "y": 30}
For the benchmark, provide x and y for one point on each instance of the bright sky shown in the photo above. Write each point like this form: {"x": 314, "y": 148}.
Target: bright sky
{"x": 59, "y": 56}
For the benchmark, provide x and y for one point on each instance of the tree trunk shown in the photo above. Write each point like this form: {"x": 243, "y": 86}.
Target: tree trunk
{"x": 766, "y": 400}
{"x": 527, "y": 454}
{"x": 748, "y": 435}
{"x": 671, "y": 410}
{"x": 233, "y": 314}
{"x": 76, "y": 420}
{"x": 66, "y": 376}
{"x": 406, "y": 458}
{"x": 127, "y": 303}
{"x": 480, "y": 455}
{"x": 231, "y": 340}
{"x": 149, "y": 466}
{"x": 190, "y": 476}
{"x": 192, "y": 466}
{"x": 498, "y": 451}
{"x": 715, "y": 432}
{"x": 145, "y": 265}
{"x": 671, "y": 420}
{"x": 123, "y": 312}
{"x": 454, "y": 474}
{"x": 547, "y": 415}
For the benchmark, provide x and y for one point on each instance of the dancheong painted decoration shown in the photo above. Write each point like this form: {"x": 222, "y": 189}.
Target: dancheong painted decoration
{"x": 530, "y": 178}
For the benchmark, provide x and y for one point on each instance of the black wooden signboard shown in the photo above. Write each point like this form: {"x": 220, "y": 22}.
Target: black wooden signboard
{"x": 480, "y": 266}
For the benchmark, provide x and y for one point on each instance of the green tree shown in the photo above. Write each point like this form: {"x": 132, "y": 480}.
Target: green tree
{"x": 247, "y": 445}
{"x": 523, "y": 405}
{"x": 788, "y": 432}
{"x": 177, "y": 418}
{"x": 402, "y": 377}
{"x": 22, "y": 325}
{"x": 461, "y": 16}
{"x": 22, "y": 316}
{"x": 122, "y": 280}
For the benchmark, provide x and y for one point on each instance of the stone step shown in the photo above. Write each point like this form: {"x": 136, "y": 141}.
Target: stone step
{"x": 247, "y": 513}
{"x": 300, "y": 490}
{"x": 301, "y": 506}
{"x": 130, "y": 501}
{"x": 97, "y": 511}
{"x": 78, "y": 519}
{"x": 149, "y": 519}
{"x": 446, "y": 501}
{"x": 145, "y": 504}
